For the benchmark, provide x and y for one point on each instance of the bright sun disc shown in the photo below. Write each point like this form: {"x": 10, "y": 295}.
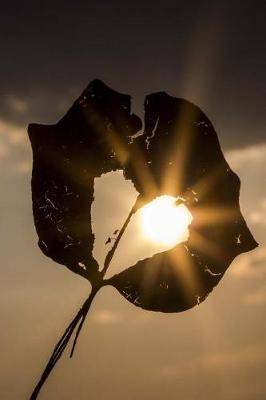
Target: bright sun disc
{"x": 164, "y": 222}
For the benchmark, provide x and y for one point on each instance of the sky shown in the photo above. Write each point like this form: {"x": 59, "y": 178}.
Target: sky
{"x": 211, "y": 53}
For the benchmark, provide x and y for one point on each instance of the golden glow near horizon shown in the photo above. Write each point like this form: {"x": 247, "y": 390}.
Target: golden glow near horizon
{"x": 164, "y": 222}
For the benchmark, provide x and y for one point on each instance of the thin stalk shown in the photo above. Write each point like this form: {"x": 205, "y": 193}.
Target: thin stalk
{"x": 111, "y": 252}
{"x": 107, "y": 262}
{"x": 83, "y": 317}
{"x": 61, "y": 345}
{"x": 79, "y": 319}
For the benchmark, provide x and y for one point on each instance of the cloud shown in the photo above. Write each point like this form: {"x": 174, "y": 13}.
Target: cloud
{"x": 258, "y": 217}
{"x": 237, "y": 158}
{"x": 12, "y": 134}
{"x": 4, "y": 149}
{"x": 15, "y": 153}
{"x": 23, "y": 167}
{"x": 225, "y": 362}
{"x": 258, "y": 297}
{"x": 250, "y": 265}
{"x": 16, "y": 104}
{"x": 106, "y": 317}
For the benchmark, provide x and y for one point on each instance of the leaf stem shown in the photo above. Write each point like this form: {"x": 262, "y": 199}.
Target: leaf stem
{"x": 111, "y": 252}
{"x": 80, "y": 317}
{"x": 61, "y": 345}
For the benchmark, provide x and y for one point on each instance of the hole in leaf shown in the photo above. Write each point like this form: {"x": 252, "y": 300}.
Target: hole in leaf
{"x": 156, "y": 227}
{"x": 113, "y": 199}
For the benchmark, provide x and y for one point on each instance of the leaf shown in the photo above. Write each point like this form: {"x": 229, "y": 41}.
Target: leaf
{"x": 177, "y": 154}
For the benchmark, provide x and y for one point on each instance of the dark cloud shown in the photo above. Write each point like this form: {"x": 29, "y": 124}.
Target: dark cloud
{"x": 209, "y": 52}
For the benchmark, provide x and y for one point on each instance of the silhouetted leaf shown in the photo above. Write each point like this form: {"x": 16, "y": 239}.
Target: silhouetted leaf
{"x": 177, "y": 154}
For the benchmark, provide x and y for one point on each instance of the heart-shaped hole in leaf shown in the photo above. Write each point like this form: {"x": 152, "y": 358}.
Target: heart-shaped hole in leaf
{"x": 156, "y": 227}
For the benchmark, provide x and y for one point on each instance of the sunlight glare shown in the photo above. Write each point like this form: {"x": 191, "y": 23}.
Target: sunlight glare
{"x": 162, "y": 221}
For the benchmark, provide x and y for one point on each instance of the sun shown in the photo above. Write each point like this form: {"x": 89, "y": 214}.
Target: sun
{"x": 164, "y": 222}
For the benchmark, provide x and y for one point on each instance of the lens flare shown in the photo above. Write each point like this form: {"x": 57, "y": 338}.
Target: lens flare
{"x": 164, "y": 222}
